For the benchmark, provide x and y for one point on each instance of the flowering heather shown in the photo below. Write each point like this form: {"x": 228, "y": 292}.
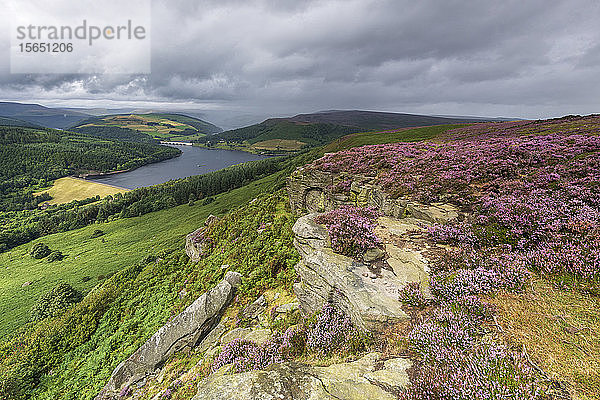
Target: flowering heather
{"x": 473, "y": 306}
{"x": 412, "y": 295}
{"x": 342, "y": 186}
{"x": 351, "y": 229}
{"x": 530, "y": 185}
{"x": 452, "y": 234}
{"x": 330, "y": 331}
{"x": 125, "y": 392}
{"x": 453, "y": 364}
{"x": 246, "y": 355}
{"x": 485, "y": 372}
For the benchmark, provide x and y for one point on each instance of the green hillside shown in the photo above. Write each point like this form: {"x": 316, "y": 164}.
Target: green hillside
{"x": 308, "y": 130}
{"x": 146, "y": 127}
{"x": 89, "y": 260}
{"x": 31, "y": 158}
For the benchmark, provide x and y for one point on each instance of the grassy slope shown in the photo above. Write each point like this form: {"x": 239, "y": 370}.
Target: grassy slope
{"x": 158, "y": 126}
{"x": 126, "y": 241}
{"x": 403, "y": 135}
{"x": 560, "y": 329}
{"x": 82, "y": 346}
{"x": 65, "y": 190}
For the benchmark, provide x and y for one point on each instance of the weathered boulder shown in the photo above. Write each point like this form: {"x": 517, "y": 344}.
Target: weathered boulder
{"x": 186, "y": 330}
{"x": 259, "y": 336}
{"x": 255, "y": 309}
{"x": 193, "y": 246}
{"x": 213, "y": 338}
{"x": 329, "y": 277}
{"x": 293, "y": 381}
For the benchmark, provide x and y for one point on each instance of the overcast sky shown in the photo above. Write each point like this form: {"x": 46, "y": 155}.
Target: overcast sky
{"x": 525, "y": 58}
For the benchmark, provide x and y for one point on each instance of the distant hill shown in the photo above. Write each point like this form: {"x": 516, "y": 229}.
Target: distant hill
{"x": 17, "y": 122}
{"x": 42, "y": 116}
{"x": 293, "y": 133}
{"x": 147, "y": 127}
{"x": 375, "y": 120}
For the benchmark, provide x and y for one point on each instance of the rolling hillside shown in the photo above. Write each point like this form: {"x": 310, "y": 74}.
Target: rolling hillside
{"x": 302, "y": 130}
{"x": 17, "y": 122}
{"x": 39, "y": 115}
{"x": 505, "y": 318}
{"x": 146, "y": 127}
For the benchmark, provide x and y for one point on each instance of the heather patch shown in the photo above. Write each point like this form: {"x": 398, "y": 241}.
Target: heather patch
{"x": 351, "y": 229}
{"x": 452, "y": 362}
{"x": 328, "y": 331}
{"x": 532, "y": 188}
{"x": 412, "y": 295}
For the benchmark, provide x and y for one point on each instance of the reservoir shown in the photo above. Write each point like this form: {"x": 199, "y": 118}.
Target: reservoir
{"x": 192, "y": 161}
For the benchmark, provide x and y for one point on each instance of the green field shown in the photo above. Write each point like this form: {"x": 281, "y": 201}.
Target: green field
{"x": 404, "y": 135}
{"x": 125, "y": 242}
{"x": 154, "y": 125}
{"x": 65, "y": 190}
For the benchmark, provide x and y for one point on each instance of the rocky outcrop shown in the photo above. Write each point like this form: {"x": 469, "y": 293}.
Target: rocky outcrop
{"x": 368, "y": 297}
{"x": 366, "y": 289}
{"x": 367, "y": 378}
{"x": 193, "y": 248}
{"x": 316, "y": 191}
{"x": 186, "y": 330}
{"x": 196, "y": 243}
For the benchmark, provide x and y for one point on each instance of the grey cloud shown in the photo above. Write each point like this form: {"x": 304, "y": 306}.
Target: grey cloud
{"x": 530, "y": 58}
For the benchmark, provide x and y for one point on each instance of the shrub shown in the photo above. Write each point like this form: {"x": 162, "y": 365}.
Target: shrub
{"x": 412, "y": 295}
{"x": 453, "y": 363}
{"x": 52, "y": 303}
{"x": 40, "y": 250}
{"x": 484, "y": 372}
{"x": 330, "y": 330}
{"x": 56, "y": 255}
{"x": 351, "y": 229}
{"x": 245, "y": 355}
{"x": 97, "y": 233}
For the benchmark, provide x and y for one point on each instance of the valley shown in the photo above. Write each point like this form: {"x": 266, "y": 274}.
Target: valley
{"x": 300, "y": 200}
{"x": 381, "y": 222}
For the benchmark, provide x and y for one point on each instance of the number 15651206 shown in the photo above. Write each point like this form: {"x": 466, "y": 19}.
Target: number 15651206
{"x": 46, "y": 47}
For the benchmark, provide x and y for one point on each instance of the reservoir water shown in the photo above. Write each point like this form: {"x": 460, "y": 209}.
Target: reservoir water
{"x": 193, "y": 161}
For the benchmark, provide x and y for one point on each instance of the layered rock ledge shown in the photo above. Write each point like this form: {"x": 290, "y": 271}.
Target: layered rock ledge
{"x": 366, "y": 291}
{"x": 315, "y": 191}
{"x": 368, "y": 378}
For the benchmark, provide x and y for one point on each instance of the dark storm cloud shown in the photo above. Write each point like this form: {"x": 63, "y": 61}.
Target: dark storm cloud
{"x": 518, "y": 58}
